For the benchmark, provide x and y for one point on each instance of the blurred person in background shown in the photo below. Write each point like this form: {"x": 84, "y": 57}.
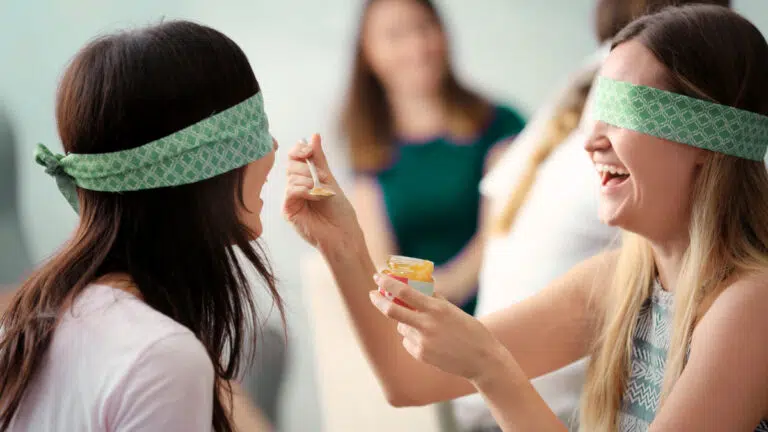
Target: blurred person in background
{"x": 14, "y": 255}
{"x": 419, "y": 139}
{"x": 543, "y": 210}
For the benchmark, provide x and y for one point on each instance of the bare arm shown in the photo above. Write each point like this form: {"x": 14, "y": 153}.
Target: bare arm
{"x": 514, "y": 402}
{"x": 552, "y": 329}
{"x": 457, "y": 279}
{"x": 724, "y": 385}
{"x": 543, "y": 333}
{"x": 369, "y": 206}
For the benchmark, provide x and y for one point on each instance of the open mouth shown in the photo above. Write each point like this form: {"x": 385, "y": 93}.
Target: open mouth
{"x": 611, "y": 175}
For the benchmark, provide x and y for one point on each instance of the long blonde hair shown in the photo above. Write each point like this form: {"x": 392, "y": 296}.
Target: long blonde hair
{"x": 610, "y": 17}
{"x": 729, "y": 210}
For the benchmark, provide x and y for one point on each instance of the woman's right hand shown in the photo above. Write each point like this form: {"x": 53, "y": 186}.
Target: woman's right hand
{"x": 324, "y": 222}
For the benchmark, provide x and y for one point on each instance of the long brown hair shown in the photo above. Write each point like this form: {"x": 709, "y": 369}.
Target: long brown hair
{"x": 366, "y": 120}
{"x": 610, "y": 17}
{"x": 714, "y": 54}
{"x": 177, "y": 244}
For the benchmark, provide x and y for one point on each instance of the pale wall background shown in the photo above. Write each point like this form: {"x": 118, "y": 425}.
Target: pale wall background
{"x": 514, "y": 50}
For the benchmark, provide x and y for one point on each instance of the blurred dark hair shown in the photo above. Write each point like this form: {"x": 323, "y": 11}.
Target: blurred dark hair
{"x": 177, "y": 244}
{"x": 613, "y": 15}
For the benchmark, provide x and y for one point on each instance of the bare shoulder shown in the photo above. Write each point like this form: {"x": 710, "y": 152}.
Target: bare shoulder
{"x": 724, "y": 380}
{"x": 742, "y": 305}
{"x": 733, "y": 330}
{"x": 752, "y": 286}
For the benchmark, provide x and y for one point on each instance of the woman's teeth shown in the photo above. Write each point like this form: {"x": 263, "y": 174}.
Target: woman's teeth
{"x": 612, "y": 169}
{"x": 611, "y": 174}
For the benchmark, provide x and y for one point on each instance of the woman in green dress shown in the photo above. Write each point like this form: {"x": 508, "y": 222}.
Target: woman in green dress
{"x": 419, "y": 141}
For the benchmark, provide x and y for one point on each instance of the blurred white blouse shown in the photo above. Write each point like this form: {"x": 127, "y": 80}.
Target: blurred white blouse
{"x": 556, "y": 228}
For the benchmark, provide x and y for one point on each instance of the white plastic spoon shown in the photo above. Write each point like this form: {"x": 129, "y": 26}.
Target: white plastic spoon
{"x": 319, "y": 189}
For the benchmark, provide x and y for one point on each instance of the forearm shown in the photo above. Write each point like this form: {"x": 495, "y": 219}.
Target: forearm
{"x": 513, "y": 401}
{"x": 405, "y": 380}
{"x": 373, "y": 220}
{"x": 457, "y": 279}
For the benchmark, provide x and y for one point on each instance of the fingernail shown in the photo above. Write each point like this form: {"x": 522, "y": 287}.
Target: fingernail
{"x": 376, "y": 278}
{"x": 374, "y": 298}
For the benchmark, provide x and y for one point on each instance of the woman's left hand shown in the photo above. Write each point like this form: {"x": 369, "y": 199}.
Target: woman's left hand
{"x": 438, "y": 333}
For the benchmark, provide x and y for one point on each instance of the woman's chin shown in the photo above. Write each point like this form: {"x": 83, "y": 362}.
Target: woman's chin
{"x": 254, "y": 226}
{"x": 611, "y": 216}
{"x": 256, "y": 232}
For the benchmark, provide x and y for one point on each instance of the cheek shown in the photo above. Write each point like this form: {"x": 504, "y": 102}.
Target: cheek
{"x": 382, "y": 57}
{"x": 663, "y": 171}
{"x": 437, "y": 45}
{"x": 250, "y": 211}
{"x": 253, "y": 183}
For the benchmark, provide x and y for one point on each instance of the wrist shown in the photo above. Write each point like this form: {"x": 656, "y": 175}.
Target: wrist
{"x": 350, "y": 245}
{"x": 498, "y": 369}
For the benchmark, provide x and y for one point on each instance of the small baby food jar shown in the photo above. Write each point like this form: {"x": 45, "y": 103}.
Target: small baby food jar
{"x": 414, "y": 272}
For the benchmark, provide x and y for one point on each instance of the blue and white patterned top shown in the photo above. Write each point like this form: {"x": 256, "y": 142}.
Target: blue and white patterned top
{"x": 649, "y": 353}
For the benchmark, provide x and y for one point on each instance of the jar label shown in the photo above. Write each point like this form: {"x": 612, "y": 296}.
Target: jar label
{"x": 426, "y": 288}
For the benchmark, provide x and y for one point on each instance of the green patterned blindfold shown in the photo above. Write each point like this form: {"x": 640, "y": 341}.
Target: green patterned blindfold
{"x": 223, "y": 142}
{"x": 682, "y": 119}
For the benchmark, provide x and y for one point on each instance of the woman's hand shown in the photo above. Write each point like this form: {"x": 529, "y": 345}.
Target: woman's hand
{"x": 438, "y": 333}
{"x": 324, "y": 222}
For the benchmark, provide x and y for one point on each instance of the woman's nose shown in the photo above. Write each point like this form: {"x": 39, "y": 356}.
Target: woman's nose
{"x": 597, "y": 139}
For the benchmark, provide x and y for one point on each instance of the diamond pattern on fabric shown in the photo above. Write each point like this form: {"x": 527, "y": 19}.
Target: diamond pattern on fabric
{"x": 681, "y": 119}
{"x": 633, "y": 424}
{"x": 649, "y": 355}
{"x": 218, "y": 144}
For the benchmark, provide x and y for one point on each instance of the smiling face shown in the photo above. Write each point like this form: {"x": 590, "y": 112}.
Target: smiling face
{"x": 646, "y": 182}
{"x": 254, "y": 179}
